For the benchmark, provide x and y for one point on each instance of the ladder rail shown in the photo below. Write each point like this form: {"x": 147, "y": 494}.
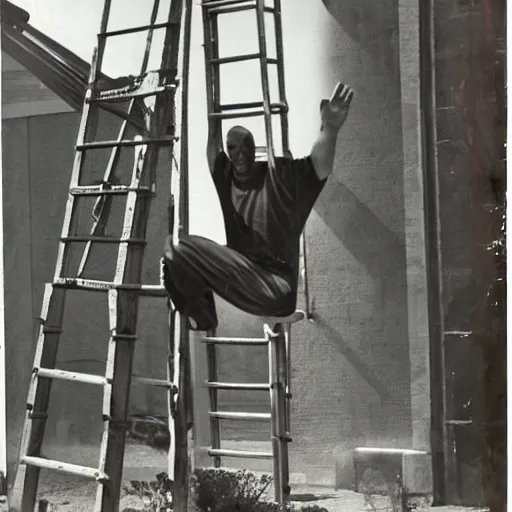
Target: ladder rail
{"x": 149, "y": 37}
{"x": 213, "y": 93}
{"x": 114, "y": 155}
{"x": 101, "y": 201}
{"x": 280, "y": 76}
{"x": 179, "y": 363}
{"x": 97, "y": 63}
{"x": 215, "y": 434}
{"x": 123, "y": 291}
{"x": 275, "y": 424}
{"x": 38, "y": 393}
{"x": 260, "y": 19}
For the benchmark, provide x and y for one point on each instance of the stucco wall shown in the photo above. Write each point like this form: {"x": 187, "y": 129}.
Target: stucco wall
{"x": 351, "y": 365}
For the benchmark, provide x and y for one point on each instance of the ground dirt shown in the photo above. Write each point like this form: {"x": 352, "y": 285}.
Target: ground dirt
{"x": 72, "y": 494}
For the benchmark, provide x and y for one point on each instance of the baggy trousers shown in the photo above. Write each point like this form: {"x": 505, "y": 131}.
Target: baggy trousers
{"x": 196, "y": 268}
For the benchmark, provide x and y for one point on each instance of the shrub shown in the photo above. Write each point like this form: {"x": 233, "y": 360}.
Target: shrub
{"x": 218, "y": 490}
{"x": 156, "y": 495}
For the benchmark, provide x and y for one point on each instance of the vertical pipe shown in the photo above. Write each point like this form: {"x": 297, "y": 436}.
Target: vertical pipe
{"x": 307, "y": 300}
{"x": 3, "y": 422}
{"x": 434, "y": 264}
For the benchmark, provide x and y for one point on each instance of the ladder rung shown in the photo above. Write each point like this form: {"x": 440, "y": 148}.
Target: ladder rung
{"x": 275, "y": 108}
{"x": 146, "y": 290}
{"x": 84, "y": 378}
{"x": 124, "y": 337}
{"x": 159, "y": 383}
{"x": 241, "y": 58}
{"x": 129, "y": 93}
{"x": 229, "y": 6}
{"x": 38, "y": 415}
{"x": 235, "y": 341}
{"x": 237, "y": 386}
{"x": 220, "y": 415}
{"x": 65, "y": 467}
{"x": 99, "y": 190}
{"x": 225, "y": 3}
{"x": 163, "y": 141}
{"x": 141, "y": 28}
{"x": 51, "y": 330}
{"x": 239, "y": 453}
{"x": 103, "y": 239}
{"x": 236, "y": 106}
{"x": 222, "y": 3}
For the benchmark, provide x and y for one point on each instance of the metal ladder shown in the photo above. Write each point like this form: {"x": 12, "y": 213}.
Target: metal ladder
{"x": 158, "y": 89}
{"x": 277, "y": 339}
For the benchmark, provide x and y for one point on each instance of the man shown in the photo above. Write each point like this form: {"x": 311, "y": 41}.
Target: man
{"x": 265, "y": 211}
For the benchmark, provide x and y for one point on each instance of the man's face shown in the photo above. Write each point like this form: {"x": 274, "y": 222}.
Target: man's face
{"x": 241, "y": 150}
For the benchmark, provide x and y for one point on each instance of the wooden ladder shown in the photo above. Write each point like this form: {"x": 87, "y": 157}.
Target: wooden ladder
{"x": 277, "y": 338}
{"x": 151, "y": 109}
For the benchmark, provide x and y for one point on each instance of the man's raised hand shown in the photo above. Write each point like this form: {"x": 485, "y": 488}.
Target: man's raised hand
{"x": 335, "y": 111}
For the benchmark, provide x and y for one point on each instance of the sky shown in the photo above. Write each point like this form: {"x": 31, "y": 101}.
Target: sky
{"x": 75, "y": 23}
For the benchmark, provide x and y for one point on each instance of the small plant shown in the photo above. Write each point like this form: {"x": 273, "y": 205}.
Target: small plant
{"x": 215, "y": 490}
{"x": 156, "y": 495}
{"x": 288, "y": 507}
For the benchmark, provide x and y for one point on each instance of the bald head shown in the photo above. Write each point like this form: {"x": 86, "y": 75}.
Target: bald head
{"x": 240, "y": 132}
{"x": 241, "y": 151}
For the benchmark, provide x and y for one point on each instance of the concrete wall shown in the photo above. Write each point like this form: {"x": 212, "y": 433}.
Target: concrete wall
{"x": 352, "y": 365}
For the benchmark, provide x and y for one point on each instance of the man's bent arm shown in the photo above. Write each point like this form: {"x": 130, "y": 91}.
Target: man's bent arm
{"x": 334, "y": 113}
{"x": 323, "y": 151}
{"x": 214, "y": 145}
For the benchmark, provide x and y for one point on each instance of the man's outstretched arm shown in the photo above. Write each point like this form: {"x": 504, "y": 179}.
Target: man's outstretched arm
{"x": 333, "y": 113}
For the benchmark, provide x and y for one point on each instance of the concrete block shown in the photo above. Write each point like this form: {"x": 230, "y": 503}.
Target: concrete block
{"x": 344, "y": 477}
{"x": 417, "y": 472}
{"x": 410, "y": 469}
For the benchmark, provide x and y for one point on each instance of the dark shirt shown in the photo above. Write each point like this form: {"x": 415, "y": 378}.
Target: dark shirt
{"x": 264, "y": 218}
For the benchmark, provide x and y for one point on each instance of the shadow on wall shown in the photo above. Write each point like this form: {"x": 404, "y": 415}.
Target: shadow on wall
{"x": 363, "y": 368}
{"x": 367, "y": 238}
{"x": 365, "y": 21}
